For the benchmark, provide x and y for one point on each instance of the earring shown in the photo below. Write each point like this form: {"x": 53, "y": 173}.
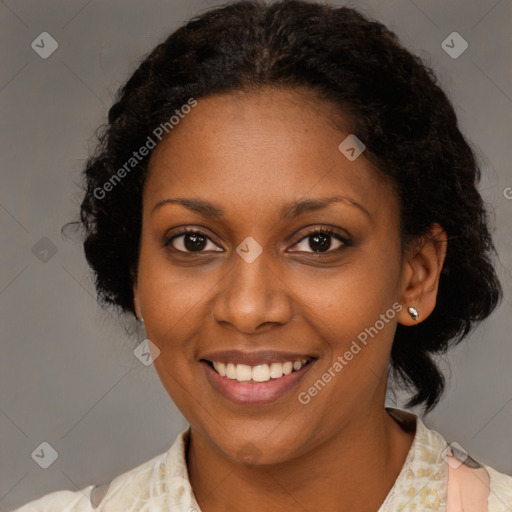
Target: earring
{"x": 140, "y": 321}
{"x": 414, "y": 313}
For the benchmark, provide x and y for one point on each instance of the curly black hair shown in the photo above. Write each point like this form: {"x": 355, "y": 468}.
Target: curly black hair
{"x": 396, "y": 107}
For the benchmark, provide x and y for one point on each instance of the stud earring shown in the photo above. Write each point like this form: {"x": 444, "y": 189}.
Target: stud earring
{"x": 414, "y": 313}
{"x": 140, "y": 321}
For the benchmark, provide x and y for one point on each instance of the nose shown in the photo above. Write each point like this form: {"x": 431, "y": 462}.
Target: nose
{"x": 252, "y": 297}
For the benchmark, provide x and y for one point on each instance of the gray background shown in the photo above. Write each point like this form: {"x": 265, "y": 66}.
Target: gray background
{"x": 68, "y": 372}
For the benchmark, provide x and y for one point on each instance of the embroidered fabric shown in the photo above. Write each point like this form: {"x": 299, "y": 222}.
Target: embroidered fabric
{"x": 162, "y": 483}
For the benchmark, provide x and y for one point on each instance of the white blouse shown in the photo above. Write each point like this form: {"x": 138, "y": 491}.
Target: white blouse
{"x": 162, "y": 483}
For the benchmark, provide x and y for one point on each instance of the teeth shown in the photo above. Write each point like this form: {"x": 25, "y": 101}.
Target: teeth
{"x": 230, "y": 370}
{"x": 259, "y": 373}
{"x": 276, "y": 370}
{"x": 221, "y": 368}
{"x": 243, "y": 372}
{"x": 287, "y": 368}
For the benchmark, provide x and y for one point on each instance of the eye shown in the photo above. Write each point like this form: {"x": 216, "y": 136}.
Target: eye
{"x": 191, "y": 241}
{"x": 319, "y": 240}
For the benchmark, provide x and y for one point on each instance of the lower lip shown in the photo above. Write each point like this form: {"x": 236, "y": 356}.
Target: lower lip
{"x": 252, "y": 393}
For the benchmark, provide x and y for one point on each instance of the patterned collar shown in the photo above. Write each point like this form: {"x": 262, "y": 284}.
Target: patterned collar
{"x": 421, "y": 483}
{"x": 162, "y": 483}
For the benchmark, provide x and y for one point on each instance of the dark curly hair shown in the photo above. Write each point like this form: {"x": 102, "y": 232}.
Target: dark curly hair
{"x": 396, "y": 107}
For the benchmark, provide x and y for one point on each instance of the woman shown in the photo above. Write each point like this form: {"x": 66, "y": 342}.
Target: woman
{"x": 283, "y": 198}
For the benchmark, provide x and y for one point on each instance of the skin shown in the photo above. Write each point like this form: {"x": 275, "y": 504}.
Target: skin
{"x": 251, "y": 153}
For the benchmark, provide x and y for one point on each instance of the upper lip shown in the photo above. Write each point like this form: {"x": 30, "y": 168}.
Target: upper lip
{"x": 255, "y": 358}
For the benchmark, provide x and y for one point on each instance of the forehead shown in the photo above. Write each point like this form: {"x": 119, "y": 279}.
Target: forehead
{"x": 263, "y": 147}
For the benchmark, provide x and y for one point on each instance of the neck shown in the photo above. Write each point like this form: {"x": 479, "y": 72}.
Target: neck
{"x": 352, "y": 470}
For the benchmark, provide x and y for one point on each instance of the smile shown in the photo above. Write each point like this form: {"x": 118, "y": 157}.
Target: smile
{"x": 258, "y": 373}
{"x": 255, "y": 378}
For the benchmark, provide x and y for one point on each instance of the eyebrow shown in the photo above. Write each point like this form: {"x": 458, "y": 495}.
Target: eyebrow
{"x": 288, "y": 211}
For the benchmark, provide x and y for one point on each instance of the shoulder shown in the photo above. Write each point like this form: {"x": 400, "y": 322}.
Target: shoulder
{"x": 85, "y": 500}
{"x": 445, "y": 474}
{"x": 61, "y": 500}
{"x": 500, "y": 495}
{"x": 149, "y": 482}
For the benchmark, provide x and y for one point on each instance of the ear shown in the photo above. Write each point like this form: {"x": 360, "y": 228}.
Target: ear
{"x": 421, "y": 273}
{"x": 136, "y": 297}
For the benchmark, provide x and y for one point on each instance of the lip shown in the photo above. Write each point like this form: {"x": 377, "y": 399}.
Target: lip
{"x": 255, "y": 393}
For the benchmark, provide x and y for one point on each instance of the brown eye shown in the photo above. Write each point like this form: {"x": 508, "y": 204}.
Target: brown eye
{"x": 191, "y": 241}
{"x": 320, "y": 240}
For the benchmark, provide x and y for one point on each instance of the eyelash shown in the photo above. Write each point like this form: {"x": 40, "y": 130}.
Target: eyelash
{"x": 320, "y": 230}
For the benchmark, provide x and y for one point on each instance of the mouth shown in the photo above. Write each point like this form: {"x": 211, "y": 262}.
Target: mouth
{"x": 257, "y": 373}
{"x": 266, "y": 380}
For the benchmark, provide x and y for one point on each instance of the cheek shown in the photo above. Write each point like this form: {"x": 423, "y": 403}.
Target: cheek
{"x": 168, "y": 293}
{"x": 354, "y": 315}
{"x": 172, "y": 302}
{"x": 172, "y": 307}
{"x": 354, "y": 296}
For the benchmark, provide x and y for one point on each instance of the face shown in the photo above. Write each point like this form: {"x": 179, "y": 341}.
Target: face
{"x": 262, "y": 246}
